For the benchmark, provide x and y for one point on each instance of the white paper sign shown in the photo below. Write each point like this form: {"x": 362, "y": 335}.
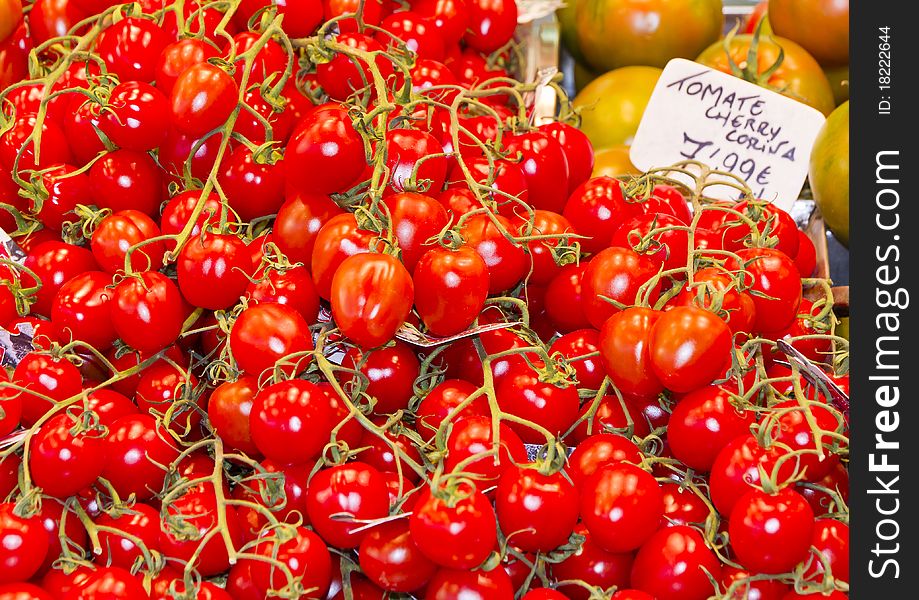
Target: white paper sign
{"x": 697, "y": 113}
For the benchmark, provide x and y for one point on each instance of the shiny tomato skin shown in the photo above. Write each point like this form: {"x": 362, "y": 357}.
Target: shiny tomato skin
{"x": 682, "y": 506}
{"x": 831, "y": 538}
{"x": 625, "y": 353}
{"x": 392, "y": 560}
{"x": 178, "y": 57}
{"x": 202, "y": 99}
{"x": 460, "y": 536}
{"x": 771, "y": 533}
{"x": 118, "y": 232}
{"x": 338, "y": 239}
{"x": 267, "y": 332}
{"x": 673, "y": 564}
{"x": 736, "y": 471}
{"x": 440, "y": 401}
{"x": 806, "y": 258}
{"x": 618, "y": 274}
{"x": 54, "y": 147}
{"x": 371, "y": 296}
{"x": 180, "y": 152}
{"x": 46, "y": 376}
{"x": 543, "y": 266}
{"x": 391, "y": 372}
{"x": 131, "y": 47}
{"x": 668, "y": 249}
{"x": 491, "y": 24}
{"x": 773, "y": 274}
{"x": 471, "y": 436}
{"x": 62, "y": 464}
{"x": 596, "y": 209}
{"x": 593, "y": 565}
{"x": 450, "y": 289}
{"x": 503, "y": 178}
{"x": 178, "y": 211}
{"x": 66, "y": 189}
{"x": 702, "y": 423}
{"x": 293, "y": 287}
{"x": 305, "y": 555}
{"x": 688, "y": 348}
{"x": 82, "y": 310}
{"x": 579, "y": 152}
{"x": 770, "y": 220}
{"x": 554, "y": 407}
{"x": 311, "y": 167}
{"x": 545, "y": 167}
{"x": 212, "y": 270}
{"x": 23, "y": 545}
{"x": 126, "y": 179}
{"x": 632, "y": 495}
{"x": 795, "y": 431}
{"x": 148, "y": 311}
{"x": 564, "y": 299}
{"x": 228, "y": 410}
{"x": 575, "y": 347}
{"x": 136, "y": 446}
{"x": 141, "y": 522}
{"x": 542, "y": 509}
{"x": 355, "y": 488}
{"x": 598, "y": 451}
{"x": 415, "y": 218}
{"x": 108, "y": 583}
{"x": 341, "y": 76}
{"x": 136, "y": 116}
{"x": 713, "y": 284}
{"x": 762, "y": 589}
{"x": 418, "y": 34}
{"x": 252, "y": 189}
{"x": 507, "y": 262}
{"x": 405, "y": 149}
{"x": 449, "y": 584}
{"x": 298, "y": 222}
{"x": 277, "y": 417}
{"x": 198, "y": 507}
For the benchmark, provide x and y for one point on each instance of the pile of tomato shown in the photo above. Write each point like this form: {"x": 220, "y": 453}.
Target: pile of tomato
{"x": 298, "y": 302}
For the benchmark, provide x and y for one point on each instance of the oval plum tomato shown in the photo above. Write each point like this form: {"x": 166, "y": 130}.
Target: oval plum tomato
{"x": 491, "y": 24}
{"x": 118, "y": 233}
{"x": 338, "y": 239}
{"x": 267, "y": 333}
{"x": 141, "y": 523}
{"x": 63, "y": 463}
{"x": 507, "y": 262}
{"x": 354, "y": 488}
{"x": 598, "y": 451}
{"x": 771, "y": 222}
{"x": 449, "y": 17}
{"x": 298, "y": 222}
{"x": 136, "y": 116}
{"x": 196, "y": 510}
{"x": 125, "y": 179}
{"x": 202, "y": 99}
{"x": 326, "y": 153}
{"x": 148, "y": 311}
{"x": 771, "y": 533}
{"x": 23, "y": 545}
{"x": 178, "y": 212}
{"x": 668, "y": 249}
{"x": 415, "y": 219}
{"x": 456, "y": 533}
{"x": 82, "y": 310}
{"x": 305, "y": 556}
{"x": 682, "y": 506}
{"x": 702, "y": 423}
{"x": 472, "y": 436}
{"x": 413, "y": 161}
{"x": 228, "y": 410}
{"x": 292, "y": 287}
{"x": 577, "y": 347}
{"x": 524, "y": 394}
{"x": 579, "y": 152}
{"x": 212, "y": 270}
{"x": 390, "y": 371}
{"x": 596, "y": 209}
{"x": 736, "y": 470}
{"x": 545, "y": 166}
{"x": 392, "y": 560}
{"x": 563, "y": 300}
{"x": 617, "y": 274}
{"x": 47, "y": 380}
{"x": 675, "y": 563}
{"x": 137, "y": 447}
{"x": 777, "y": 285}
{"x": 178, "y": 57}
{"x": 621, "y": 505}
{"x": 450, "y": 289}
{"x": 253, "y": 189}
{"x": 441, "y": 401}
{"x": 418, "y": 33}
{"x": 625, "y": 351}
{"x": 831, "y": 539}
{"x": 542, "y": 252}
{"x": 372, "y": 295}
{"x": 279, "y": 417}
{"x": 688, "y": 348}
{"x": 806, "y": 258}
{"x": 592, "y": 565}
{"x": 537, "y": 511}
{"x": 793, "y": 428}
{"x": 449, "y": 584}
{"x": 341, "y": 76}
{"x": 131, "y": 48}
{"x": 16, "y": 144}
{"x": 738, "y": 584}
{"x": 66, "y": 189}
{"x": 713, "y": 287}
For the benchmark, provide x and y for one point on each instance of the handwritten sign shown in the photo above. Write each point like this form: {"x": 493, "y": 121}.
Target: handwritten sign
{"x": 697, "y": 113}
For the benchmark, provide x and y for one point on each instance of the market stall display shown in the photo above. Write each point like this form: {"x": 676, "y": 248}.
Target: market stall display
{"x": 348, "y": 300}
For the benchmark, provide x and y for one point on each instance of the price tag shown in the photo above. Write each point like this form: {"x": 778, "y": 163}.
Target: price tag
{"x": 10, "y": 249}
{"x": 697, "y": 113}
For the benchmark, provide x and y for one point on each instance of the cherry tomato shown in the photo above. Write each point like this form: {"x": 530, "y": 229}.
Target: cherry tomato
{"x": 118, "y": 233}
{"x": 491, "y": 24}
{"x": 795, "y": 430}
{"x": 618, "y": 274}
{"x": 625, "y": 353}
{"x": 564, "y": 300}
{"x": 594, "y": 566}
{"x": 62, "y": 463}
{"x": 458, "y": 533}
{"x": 202, "y": 99}
{"x": 545, "y": 167}
{"x": 178, "y": 57}
{"x": 337, "y": 240}
{"x": 392, "y": 560}
{"x": 411, "y": 157}
{"x": 597, "y": 451}
{"x": 713, "y": 287}
{"x": 341, "y": 76}
{"x": 507, "y": 262}
{"x": 577, "y": 347}
{"x": 540, "y": 510}
{"x": 178, "y": 212}
{"x": 266, "y": 334}
{"x": 579, "y": 152}
{"x": 736, "y": 470}
{"x": 141, "y": 523}
{"x": 131, "y": 48}
{"x": 391, "y": 372}
{"x": 354, "y": 488}
{"x": 278, "y": 417}
{"x": 596, "y": 209}
{"x": 304, "y": 555}
{"x": 197, "y": 508}
{"x": 298, "y": 222}
{"x": 771, "y": 222}
{"x": 621, "y": 505}
{"x": 252, "y": 189}
{"x": 739, "y": 585}
{"x": 689, "y": 347}
{"x": 415, "y": 219}
{"x": 126, "y": 179}
{"x": 212, "y": 270}
{"x": 136, "y": 448}
{"x": 831, "y": 539}
{"x": 702, "y": 423}
{"x": 524, "y": 394}
{"x": 66, "y": 189}
{"x": 16, "y": 144}
{"x": 326, "y": 153}
{"x": 136, "y": 116}
{"x": 668, "y": 249}
{"x": 449, "y": 584}
{"x": 47, "y": 380}
{"x": 82, "y": 310}
{"x": 676, "y": 563}
{"x": 771, "y": 533}
{"x": 228, "y": 410}
{"x": 775, "y": 277}
{"x": 450, "y": 289}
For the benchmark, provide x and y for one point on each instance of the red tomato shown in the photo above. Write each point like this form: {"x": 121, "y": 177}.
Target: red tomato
{"x": 177, "y": 57}
{"x": 541, "y": 510}
{"x": 596, "y": 209}
{"x": 372, "y": 295}
{"x": 472, "y": 436}
{"x": 411, "y": 157}
{"x": 252, "y": 189}
{"x": 354, "y": 488}
{"x": 713, "y": 287}
{"x": 450, "y": 289}
{"x": 689, "y": 347}
{"x": 178, "y": 212}
{"x": 301, "y": 17}
{"x": 66, "y": 189}
{"x": 542, "y": 252}
{"x": 293, "y": 287}
{"x": 668, "y": 249}
{"x": 491, "y": 24}
{"x": 740, "y": 585}
{"x": 682, "y": 506}
{"x": 183, "y": 155}
{"x": 212, "y": 270}
{"x": 702, "y": 423}
{"x": 675, "y": 563}
{"x": 337, "y": 240}
{"x": 794, "y": 429}
{"x": 771, "y": 222}
{"x": 625, "y": 352}
{"x": 418, "y": 33}
{"x": 141, "y": 523}
{"x": 62, "y": 463}
{"x": 442, "y": 400}
{"x": 269, "y": 335}
{"x": 507, "y": 262}
{"x": 131, "y": 48}
{"x": 118, "y": 233}
{"x": 392, "y": 560}
{"x": 298, "y": 222}
{"x": 594, "y": 566}
{"x": 341, "y": 76}
{"x": 618, "y": 274}
{"x": 736, "y": 470}
{"x": 228, "y": 410}
{"x": 136, "y": 448}
{"x": 46, "y": 378}
{"x": 16, "y": 144}
{"x": 524, "y": 394}
{"x": 579, "y": 152}
{"x": 503, "y": 181}
{"x": 415, "y": 219}
{"x": 449, "y": 17}
{"x": 597, "y": 451}
{"x": 449, "y": 584}
{"x": 276, "y": 422}
{"x": 545, "y": 167}
{"x": 621, "y": 506}
{"x": 806, "y": 258}
{"x": 776, "y": 278}
{"x": 390, "y": 453}
{"x": 82, "y": 310}
{"x": 198, "y": 508}
{"x": 125, "y": 179}
{"x": 564, "y": 300}
{"x": 771, "y": 533}
{"x": 304, "y": 555}
{"x": 269, "y": 61}
{"x": 202, "y": 99}
{"x": 326, "y": 153}
{"x": 831, "y": 539}
{"x": 23, "y": 545}
{"x": 136, "y": 116}
{"x": 577, "y": 347}
{"x": 456, "y": 534}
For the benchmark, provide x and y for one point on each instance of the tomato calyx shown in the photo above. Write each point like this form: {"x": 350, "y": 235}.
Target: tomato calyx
{"x": 749, "y": 69}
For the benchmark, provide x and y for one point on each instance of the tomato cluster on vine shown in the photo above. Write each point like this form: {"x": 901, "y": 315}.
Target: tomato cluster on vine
{"x": 316, "y": 306}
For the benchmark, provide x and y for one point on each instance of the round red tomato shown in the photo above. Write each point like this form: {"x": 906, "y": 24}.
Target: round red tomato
{"x": 197, "y": 509}
{"x": 202, "y": 99}
{"x": 450, "y": 584}
{"x": 617, "y": 274}
{"x": 457, "y": 533}
{"x": 391, "y": 372}
{"x": 392, "y": 560}
{"x": 771, "y": 533}
{"x": 23, "y": 545}
{"x": 136, "y": 116}
{"x": 598, "y": 451}
{"x": 342, "y": 76}
{"x": 339, "y": 238}
{"x": 120, "y": 232}
{"x": 44, "y": 378}
{"x": 62, "y": 463}
{"x": 579, "y": 152}
{"x": 305, "y": 556}
{"x": 831, "y": 539}
{"x": 702, "y": 423}
{"x": 596, "y": 209}
{"x": 178, "y": 57}
{"x": 141, "y": 523}
{"x": 82, "y": 310}
{"x": 414, "y": 220}
{"x": 415, "y": 31}
{"x": 736, "y": 471}
{"x": 440, "y": 402}
{"x": 524, "y": 394}
{"x": 578, "y": 348}
{"x": 267, "y": 335}
{"x": 668, "y": 249}
{"x": 540, "y": 510}
{"x": 450, "y": 289}
{"x": 212, "y": 270}
{"x": 507, "y": 262}
{"x": 131, "y": 48}
{"x": 126, "y": 179}
{"x": 594, "y": 566}
{"x": 775, "y": 277}
{"x": 326, "y": 153}
{"x": 136, "y": 449}
{"x": 253, "y": 188}
{"x": 545, "y": 167}
{"x": 624, "y": 351}
{"x": 564, "y": 299}
{"x": 148, "y": 311}
{"x": 621, "y": 506}
{"x": 354, "y": 488}
{"x": 278, "y": 421}
{"x": 491, "y": 24}
{"x": 688, "y": 348}
{"x": 675, "y": 563}
{"x": 713, "y": 287}
{"x": 66, "y": 189}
